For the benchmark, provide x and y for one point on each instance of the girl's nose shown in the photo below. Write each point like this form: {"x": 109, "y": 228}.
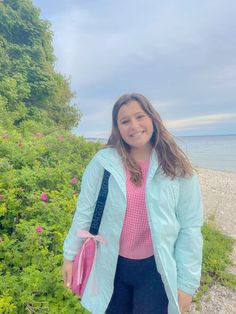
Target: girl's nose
{"x": 133, "y": 123}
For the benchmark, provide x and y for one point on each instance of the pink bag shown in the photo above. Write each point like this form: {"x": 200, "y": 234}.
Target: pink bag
{"x": 86, "y": 256}
{"x": 83, "y": 261}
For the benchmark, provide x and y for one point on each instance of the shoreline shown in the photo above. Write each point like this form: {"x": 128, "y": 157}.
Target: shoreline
{"x": 215, "y": 170}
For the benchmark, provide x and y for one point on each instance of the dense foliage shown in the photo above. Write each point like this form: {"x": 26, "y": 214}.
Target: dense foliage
{"x": 40, "y": 180}
{"x": 30, "y": 88}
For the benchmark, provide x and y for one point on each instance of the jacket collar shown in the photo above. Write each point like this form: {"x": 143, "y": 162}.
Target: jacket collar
{"x": 110, "y": 159}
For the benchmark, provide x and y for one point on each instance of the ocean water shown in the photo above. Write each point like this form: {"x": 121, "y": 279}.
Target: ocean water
{"x": 212, "y": 152}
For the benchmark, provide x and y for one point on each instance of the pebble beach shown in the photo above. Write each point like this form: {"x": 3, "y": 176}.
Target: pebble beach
{"x": 219, "y": 200}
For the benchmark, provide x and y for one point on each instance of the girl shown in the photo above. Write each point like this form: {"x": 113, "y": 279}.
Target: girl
{"x": 151, "y": 263}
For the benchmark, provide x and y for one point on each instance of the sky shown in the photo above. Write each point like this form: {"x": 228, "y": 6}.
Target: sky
{"x": 180, "y": 54}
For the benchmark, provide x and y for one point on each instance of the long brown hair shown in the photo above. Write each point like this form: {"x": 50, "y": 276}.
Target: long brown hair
{"x": 173, "y": 161}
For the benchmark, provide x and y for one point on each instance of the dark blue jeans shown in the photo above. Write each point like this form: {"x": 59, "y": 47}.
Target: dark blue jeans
{"x": 138, "y": 288}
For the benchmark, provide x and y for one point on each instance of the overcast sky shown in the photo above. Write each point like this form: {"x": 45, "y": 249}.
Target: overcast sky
{"x": 179, "y": 54}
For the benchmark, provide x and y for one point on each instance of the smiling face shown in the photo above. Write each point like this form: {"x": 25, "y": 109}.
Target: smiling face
{"x": 135, "y": 126}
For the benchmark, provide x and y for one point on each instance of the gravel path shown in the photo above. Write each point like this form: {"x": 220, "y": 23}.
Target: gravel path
{"x": 219, "y": 199}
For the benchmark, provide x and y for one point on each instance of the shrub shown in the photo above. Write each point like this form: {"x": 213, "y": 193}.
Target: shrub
{"x": 40, "y": 181}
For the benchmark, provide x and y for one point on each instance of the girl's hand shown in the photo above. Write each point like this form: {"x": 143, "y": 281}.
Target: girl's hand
{"x": 184, "y": 301}
{"x": 67, "y": 273}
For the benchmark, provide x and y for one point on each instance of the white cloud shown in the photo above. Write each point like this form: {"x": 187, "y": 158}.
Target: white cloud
{"x": 200, "y": 120}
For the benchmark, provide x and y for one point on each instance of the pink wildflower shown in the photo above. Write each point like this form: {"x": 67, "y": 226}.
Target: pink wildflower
{"x": 61, "y": 137}
{"x": 73, "y": 181}
{"x": 1, "y": 196}
{"x": 38, "y": 135}
{"x": 38, "y": 228}
{"x": 44, "y": 196}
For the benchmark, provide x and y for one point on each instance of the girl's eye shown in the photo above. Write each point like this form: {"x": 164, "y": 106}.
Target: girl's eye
{"x": 124, "y": 122}
{"x": 140, "y": 117}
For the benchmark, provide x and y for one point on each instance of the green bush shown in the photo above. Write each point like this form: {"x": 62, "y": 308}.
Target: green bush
{"x": 37, "y": 201}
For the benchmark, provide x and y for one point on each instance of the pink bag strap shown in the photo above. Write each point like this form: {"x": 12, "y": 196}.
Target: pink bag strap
{"x": 86, "y": 234}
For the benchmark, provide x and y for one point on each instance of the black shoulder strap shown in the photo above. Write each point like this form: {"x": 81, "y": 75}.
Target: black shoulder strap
{"x": 100, "y": 204}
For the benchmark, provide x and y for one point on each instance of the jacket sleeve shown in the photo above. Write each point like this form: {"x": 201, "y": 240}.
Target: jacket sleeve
{"x": 188, "y": 246}
{"x": 90, "y": 186}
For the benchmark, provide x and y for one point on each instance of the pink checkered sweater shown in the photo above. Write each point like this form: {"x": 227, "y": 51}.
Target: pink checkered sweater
{"x": 135, "y": 240}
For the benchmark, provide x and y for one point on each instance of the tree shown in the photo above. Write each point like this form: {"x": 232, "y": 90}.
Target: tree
{"x": 27, "y": 74}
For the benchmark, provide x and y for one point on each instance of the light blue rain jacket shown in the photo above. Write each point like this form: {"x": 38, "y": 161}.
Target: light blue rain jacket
{"x": 175, "y": 219}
